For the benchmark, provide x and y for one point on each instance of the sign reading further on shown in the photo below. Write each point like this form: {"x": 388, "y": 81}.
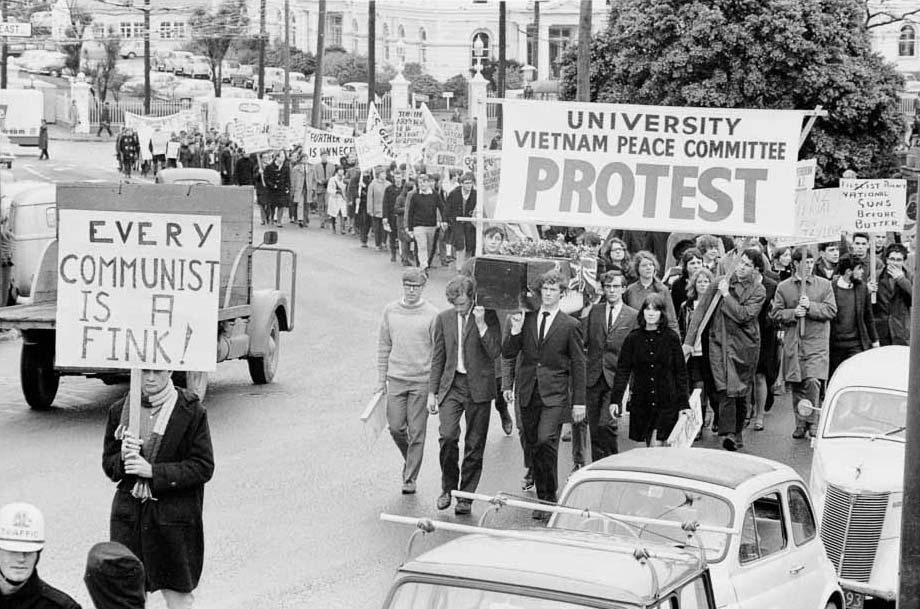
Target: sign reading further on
{"x": 650, "y": 168}
{"x": 875, "y": 206}
{"x": 137, "y": 290}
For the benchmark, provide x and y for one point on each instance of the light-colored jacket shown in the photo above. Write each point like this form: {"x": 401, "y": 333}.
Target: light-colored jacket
{"x": 805, "y": 354}
{"x": 375, "y": 195}
{"x": 299, "y": 183}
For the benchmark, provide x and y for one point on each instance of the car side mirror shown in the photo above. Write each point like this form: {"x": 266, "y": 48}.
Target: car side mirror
{"x": 270, "y": 237}
{"x": 805, "y": 408}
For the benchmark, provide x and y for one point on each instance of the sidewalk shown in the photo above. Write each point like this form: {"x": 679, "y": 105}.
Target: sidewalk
{"x": 62, "y": 131}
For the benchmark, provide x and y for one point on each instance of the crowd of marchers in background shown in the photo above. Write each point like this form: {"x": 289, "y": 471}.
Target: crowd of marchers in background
{"x": 782, "y": 320}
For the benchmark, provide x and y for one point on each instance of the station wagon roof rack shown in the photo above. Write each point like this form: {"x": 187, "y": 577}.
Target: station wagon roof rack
{"x": 639, "y": 553}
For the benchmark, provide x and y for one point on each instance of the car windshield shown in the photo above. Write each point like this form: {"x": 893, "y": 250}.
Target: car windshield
{"x": 649, "y": 500}
{"x": 418, "y": 595}
{"x": 865, "y": 412}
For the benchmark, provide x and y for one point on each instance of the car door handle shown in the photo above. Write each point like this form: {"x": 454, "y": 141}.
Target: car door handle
{"x": 796, "y": 570}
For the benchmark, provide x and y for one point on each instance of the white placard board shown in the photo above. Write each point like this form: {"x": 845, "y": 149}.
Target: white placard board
{"x": 805, "y": 174}
{"x": 318, "y": 142}
{"x": 712, "y": 170}
{"x": 874, "y": 206}
{"x": 820, "y": 216}
{"x": 137, "y": 290}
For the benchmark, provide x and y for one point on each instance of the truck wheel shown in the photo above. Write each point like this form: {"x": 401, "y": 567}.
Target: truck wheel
{"x": 262, "y": 369}
{"x": 37, "y": 375}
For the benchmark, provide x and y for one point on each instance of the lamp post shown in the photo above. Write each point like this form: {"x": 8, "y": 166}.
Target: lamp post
{"x": 478, "y": 53}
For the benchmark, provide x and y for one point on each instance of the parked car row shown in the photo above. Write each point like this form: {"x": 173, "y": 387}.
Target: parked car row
{"x": 183, "y": 63}
{"x": 40, "y": 61}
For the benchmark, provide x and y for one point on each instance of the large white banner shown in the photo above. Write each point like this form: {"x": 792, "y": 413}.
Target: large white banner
{"x": 187, "y": 120}
{"x": 318, "y": 142}
{"x": 721, "y": 171}
{"x": 137, "y": 290}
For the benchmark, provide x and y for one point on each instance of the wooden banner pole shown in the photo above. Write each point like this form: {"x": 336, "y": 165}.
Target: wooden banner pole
{"x": 134, "y": 402}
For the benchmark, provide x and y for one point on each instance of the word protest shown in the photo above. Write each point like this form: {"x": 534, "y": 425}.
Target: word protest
{"x": 695, "y": 170}
{"x": 317, "y": 143}
{"x": 875, "y": 206}
{"x": 819, "y": 217}
{"x": 137, "y": 290}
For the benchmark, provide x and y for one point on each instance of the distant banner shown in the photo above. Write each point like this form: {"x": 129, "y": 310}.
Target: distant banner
{"x": 819, "y": 217}
{"x": 375, "y": 147}
{"x": 875, "y": 206}
{"x": 251, "y": 137}
{"x": 714, "y": 170}
{"x": 317, "y": 143}
{"x": 187, "y": 120}
{"x": 376, "y": 127}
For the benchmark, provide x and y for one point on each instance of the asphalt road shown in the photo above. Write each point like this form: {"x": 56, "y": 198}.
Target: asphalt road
{"x": 291, "y": 515}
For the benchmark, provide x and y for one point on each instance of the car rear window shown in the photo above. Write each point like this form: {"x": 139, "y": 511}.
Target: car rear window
{"x": 648, "y": 500}
{"x": 418, "y": 595}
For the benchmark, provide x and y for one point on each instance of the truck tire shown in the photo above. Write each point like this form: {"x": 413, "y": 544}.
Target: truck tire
{"x": 37, "y": 376}
{"x": 262, "y": 369}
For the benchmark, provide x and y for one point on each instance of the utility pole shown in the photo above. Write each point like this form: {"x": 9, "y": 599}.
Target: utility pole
{"x": 261, "y": 90}
{"x": 317, "y": 118}
{"x": 371, "y": 51}
{"x": 146, "y": 57}
{"x": 909, "y": 581}
{"x": 4, "y": 51}
{"x": 286, "y": 117}
{"x": 536, "y": 37}
{"x": 584, "y": 53}
{"x": 502, "y": 43}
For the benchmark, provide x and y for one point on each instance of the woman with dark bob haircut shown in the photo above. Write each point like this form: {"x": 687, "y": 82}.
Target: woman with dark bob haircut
{"x": 653, "y": 358}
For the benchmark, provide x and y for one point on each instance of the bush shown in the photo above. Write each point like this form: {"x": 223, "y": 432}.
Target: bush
{"x": 427, "y": 85}
{"x": 459, "y": 86}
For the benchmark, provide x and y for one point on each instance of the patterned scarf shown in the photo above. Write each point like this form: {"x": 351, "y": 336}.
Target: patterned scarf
{"x": 166, "y": 401}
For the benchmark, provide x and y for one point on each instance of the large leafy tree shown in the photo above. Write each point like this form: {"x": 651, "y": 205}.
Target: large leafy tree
{"x": 756, "y": 54}
{"x": 213, "y": 32}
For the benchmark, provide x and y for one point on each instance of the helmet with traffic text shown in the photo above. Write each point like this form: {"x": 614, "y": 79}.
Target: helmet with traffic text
{"x": 22, "y": 528}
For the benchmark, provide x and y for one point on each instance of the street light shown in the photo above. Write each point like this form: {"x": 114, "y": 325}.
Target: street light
{"x": 401, "y": 55}
{"x": 478, "y": 53}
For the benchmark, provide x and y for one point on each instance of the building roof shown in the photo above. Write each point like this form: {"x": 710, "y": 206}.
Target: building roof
{"x": 717, "y": 467}
{"x": 540, "y": 563}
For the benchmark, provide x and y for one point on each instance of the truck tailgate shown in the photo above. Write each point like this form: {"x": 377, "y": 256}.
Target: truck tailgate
{"x": 28, "y": 316}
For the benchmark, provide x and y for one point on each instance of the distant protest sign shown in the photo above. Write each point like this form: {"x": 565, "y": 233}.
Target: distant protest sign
{"x": 819, "y": 217}
{"x": 713, "y": 170}
{"x": 453, "y": 137}
{"x": 318, "y": 142}
{"x": 491, "y": 170}
{"x": 805, "y": 174}
{"x": 251, "y": 137}
{"x": 137, "y": 290}
{"x": 409, "y": 128}
{"x": 875, "y": 206}
{"x": 187, "y": 120}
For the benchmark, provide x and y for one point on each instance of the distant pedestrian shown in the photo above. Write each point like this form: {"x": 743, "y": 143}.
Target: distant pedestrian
{"x": 318, "y": 176}
{"x": 404, "y": 347}
{"x": 115, "y": 577}
{"x": 74, "y": 116}
{"x": 6, "y": 262}
{"x": 803, "y": 307}
{"x": 467, "y": 341}
{"x": 105, "y": 120}
{"x": 277, "y": 180}
{"x": 461, "y": 203}
{"x": 300, "y": 212}
{"x": 129, "y": 148}
{"x": 43, "y": 141}
{"x": 22, "y": 539}
{"x": 244, "y": 170}
{"x": 336, "y": 207}
{"x": 157, "y": 508}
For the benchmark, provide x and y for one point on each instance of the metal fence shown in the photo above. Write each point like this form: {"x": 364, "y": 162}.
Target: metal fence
{"x": 337, "y": 110}
{"x": 117, "y": 109}
{"x": 907, "y": 103}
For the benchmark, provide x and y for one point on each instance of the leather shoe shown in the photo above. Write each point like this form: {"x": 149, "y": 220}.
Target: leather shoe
{"x": 729, "y": 443}
{"x": 408, "y": 487}
{"x": 463, "y": 507}
{"x": 444, "y": 500}
{"x": 507, "y": 423}
{"x": 527, "y": 481}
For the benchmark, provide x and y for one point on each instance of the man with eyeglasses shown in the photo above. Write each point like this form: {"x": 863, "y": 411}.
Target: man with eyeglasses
{"x": 404, "y": 348}
{"x": 893, "y": 299}
{"x": 605, "y": 328}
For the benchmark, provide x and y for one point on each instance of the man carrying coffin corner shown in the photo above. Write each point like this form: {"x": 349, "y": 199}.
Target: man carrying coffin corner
{"x": 161, "y": 473}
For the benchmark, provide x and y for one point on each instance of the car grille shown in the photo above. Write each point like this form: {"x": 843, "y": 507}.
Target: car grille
{"x": 851, "y": 529}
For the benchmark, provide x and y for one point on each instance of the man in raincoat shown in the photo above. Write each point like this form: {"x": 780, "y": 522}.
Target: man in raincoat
{"x": 734, "y": 342}
{"x": 803, "y": 307}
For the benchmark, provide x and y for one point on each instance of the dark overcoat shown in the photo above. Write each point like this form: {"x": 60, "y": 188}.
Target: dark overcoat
{"x": 462, "y": 234}
{"x": 166, "y": 534}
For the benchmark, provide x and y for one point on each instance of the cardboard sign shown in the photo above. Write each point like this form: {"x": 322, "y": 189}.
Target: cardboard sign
{"x": 250, "y": 136}
{"x": 819, "y": 217}
{"x": 452, "y": 134}
{"x": 409, "y": 128}
{"x": 875, "y": 206}
{"x": 137, "y": 290}
{"x": 805, "y": 174}
{"x": 318, "y": 142}
{"x": 491, "y": 180}
{"x": 713, "y": 170}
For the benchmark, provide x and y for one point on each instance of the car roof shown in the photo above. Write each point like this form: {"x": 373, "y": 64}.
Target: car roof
{"x": 189, "y": 175}
{"x": 883, "y": 367}
{"x": 541, "y": 563}
{"x": 716, "y": 467}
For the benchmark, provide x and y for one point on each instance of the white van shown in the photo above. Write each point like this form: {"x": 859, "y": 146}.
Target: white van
{"x": 21, "y": 112}
{"x": 32, "y": 209}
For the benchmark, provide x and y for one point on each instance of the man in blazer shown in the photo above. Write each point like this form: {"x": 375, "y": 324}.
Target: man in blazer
{"x": 467, "y": 341}
{"x": 605, "y": 328}
{"x": 550, "y": 376}
{"x": 318, "y": 179}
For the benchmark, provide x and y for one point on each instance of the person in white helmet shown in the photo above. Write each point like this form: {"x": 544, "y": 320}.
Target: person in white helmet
{"x": 22, "y": 537}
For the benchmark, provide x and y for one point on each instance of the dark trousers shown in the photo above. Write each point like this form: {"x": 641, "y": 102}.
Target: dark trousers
{"x": 601, "y": 426}
{"x": 732, "y": 413}
{"x": 379, "y": 238}
{"x": 541, "y": 426}
{"x": 500, "y": 404}
{"x": 44, "y": 154}
{"x": 840, "y": 353}
{"x": 459, "y": 403}
{"x": 105, "y": 126}
{"x": 525, "y": 447}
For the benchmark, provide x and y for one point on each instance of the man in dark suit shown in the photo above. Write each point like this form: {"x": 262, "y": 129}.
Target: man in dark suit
{"x": 467, "y": 340}
{"x": 550, "y": 376}
{"x": 605, "y": 328}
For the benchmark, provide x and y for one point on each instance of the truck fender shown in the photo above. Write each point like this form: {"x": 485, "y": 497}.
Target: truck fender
{"x": 265, "y": 304}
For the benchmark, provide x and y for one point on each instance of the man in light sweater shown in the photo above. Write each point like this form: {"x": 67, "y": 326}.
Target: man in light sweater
{"x": 404, "y": 351}
{"x": 375, "y": 196}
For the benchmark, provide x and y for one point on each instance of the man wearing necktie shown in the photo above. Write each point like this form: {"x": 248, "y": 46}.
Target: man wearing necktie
{"x": 605, "y": 328}
{"x": 467, "y": 340}
{"x": 550, "y": 376}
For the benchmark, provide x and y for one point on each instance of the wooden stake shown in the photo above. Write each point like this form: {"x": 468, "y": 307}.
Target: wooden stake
{"x": 134, "y": 403}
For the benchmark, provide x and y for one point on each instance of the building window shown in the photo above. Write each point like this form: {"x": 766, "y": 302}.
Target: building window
{"x": 907, "y": 41}
{"x": 172, "y": 30}
{"x": 486, "y": 49}
{"x": 422, "y": 49}
{"x": 355, "y": 31}
{"x": 334, "y": 30}
{"x": 386, "y": 42}
{"x": 133, "y": 29}
{"x": 401, "y": 45}
{"x": 98, "y": 30}
{"x": 559, "y": 39}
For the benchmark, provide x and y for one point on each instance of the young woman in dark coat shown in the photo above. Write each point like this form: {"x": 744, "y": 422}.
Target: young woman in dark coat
{"x": 652, "y": 362}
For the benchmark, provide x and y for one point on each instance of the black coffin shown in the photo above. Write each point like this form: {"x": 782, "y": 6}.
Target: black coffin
{"x": 506, "y": 282}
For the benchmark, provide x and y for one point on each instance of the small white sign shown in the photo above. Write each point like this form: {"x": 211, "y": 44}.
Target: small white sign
{"x": 20, "y": 30}
{"x": 875, "y": 206}
{"x": 805, "y": 174}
